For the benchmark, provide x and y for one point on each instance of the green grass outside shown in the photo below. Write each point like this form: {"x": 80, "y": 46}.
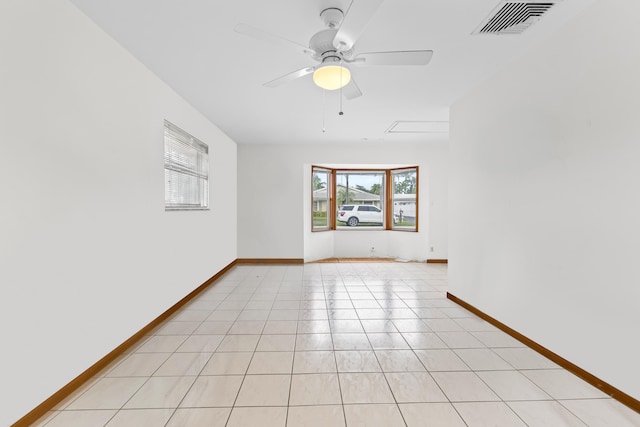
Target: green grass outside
{"x": 320, "y": 221}
{"x": 405, "y": 224}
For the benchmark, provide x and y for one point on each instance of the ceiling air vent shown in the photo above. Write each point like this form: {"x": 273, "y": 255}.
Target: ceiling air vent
{"x": 513, "y": 16}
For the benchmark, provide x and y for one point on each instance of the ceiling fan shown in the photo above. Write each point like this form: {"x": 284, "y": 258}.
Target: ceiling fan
{"x": 333, "y": 48}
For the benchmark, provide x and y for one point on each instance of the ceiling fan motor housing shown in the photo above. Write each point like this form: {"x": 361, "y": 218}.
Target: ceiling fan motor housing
{"x": 332, "y": 17}
{"x": 322, "y": 43}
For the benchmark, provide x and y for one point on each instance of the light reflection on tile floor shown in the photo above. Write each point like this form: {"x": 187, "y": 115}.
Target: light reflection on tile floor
{"x": 344, "y": 344}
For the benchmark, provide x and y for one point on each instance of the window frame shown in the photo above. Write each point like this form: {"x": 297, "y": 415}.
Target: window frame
{"x": 392, "y": 196}
{"x": 386, "y": 201}
{"x": 329, "y": 198}
{"x": 367, "y": 171}
{"x": 177, "y": 139}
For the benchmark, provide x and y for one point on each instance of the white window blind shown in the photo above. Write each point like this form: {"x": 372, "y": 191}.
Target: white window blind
{"x": 186, "y": 170}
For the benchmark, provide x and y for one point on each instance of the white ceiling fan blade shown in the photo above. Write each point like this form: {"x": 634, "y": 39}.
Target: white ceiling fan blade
{"x": 289, "y": 77}
{"x": 408, "y": 57}
{"x": 351, "y": 90}
{"x": 354, "y": 23}
{"x": 259, "y": 34}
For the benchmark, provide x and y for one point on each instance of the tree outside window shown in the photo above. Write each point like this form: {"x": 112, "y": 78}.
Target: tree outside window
{"x": 404, "y": 199}
{"x": 321, "y": 198}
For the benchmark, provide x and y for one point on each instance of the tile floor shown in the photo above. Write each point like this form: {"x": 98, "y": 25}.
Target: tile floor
{"x": 344, "y": 344}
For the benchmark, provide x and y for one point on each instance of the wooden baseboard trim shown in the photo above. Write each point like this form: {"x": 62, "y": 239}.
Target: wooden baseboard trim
{"x": 437, "y": 261}
{"x": 40, "y": 410}
{"x": 328, "y": 260}
{"x": 270, "y": 261}
{"x": 603, "y": 386}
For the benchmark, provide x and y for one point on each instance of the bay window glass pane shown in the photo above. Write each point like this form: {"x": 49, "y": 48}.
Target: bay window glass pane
{"x": 321, "y": 195}
{"x": 360, "y": 199}
{"x": 405, "y": 206}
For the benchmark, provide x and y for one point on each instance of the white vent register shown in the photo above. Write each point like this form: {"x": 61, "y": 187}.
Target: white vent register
{"x": 514, "y": 16}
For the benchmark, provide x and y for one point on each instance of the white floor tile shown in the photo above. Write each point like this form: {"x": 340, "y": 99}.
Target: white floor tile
{"x": 271, "y": 362}
{"x": 277, "y": 343}
{"x": 247, "y": 327}
{"x": 162, "y": 344}
{"x": 482, "y": 359}
{"x": 264, "y": 390}
{"x": 525, "y": 358}
{"x": 473, "y": 324}
{"x": 365, "y": 388}
{"x": 250, "y": 314}
{"x": 411, "y": 325}
{"x": 108, "y": 393}
{"x": 258, "y": 417}
{"x": 357, "y": 361}
{"x": 201, "y": 344}
{"x": 316, "y": 416}
{"x": 414, "y": 387}
{"x": 313, "y": 327}
{"x": 140, "y": 418}
{"x": 443, "y": 325}
{"x": 561, "y": 384}
{"x": 214, "y": 327}
{"x": 373, "y": 415}
{"x": 441, "y": 360}
{"x": 603, "y": 412}
{"x": 228, "y": 364}
{"x": 213, "y": 391}
{"x": 385, "y": 325}
{"x": 351, "y": 342}
{"x": 310, "y": 342}
{"x": 496, "y": 339}
{"x": 431, "y": 414}
{"x": 86, "y": 418}
{"x": 545, "y": 414}
{"x": 177, "y": 328}
{"x": 280, "y": 327}
{"x": 187, "y": 364}
{"x": 139, "y": 365}
{"x": 512, "y": 385}
{"x": 423, "y": 340}
{"x": 488, "y": 414}
{"x": 398, "y": 361}
{"x": 314, "y": 389}
{"x": 235, "y": 343}
{"x": 387, "y": 341}
{"x": 210, "y": 417}
{"x": 464, "y": 386}
{"x": 460, "y": 340}
{"x": 161, "y": 392}
{"x": 314, "y": 362}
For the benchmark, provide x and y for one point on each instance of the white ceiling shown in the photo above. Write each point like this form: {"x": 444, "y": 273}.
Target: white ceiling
{"x": 192, "y": 46}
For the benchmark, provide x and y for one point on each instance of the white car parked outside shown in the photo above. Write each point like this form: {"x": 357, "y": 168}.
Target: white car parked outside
{"x": 355, "y": 214}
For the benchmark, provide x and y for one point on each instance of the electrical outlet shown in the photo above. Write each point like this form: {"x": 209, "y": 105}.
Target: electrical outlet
{"x": 373, "y": 249}
{"x": 431, "y": 249}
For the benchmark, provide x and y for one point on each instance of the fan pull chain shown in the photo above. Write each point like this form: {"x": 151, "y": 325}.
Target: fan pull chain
{"x": 340, "y": 113}
{"x": 323, "y": 105}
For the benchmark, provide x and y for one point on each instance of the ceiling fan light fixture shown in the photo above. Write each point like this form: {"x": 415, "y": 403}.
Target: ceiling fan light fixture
{"x": 332, "y": 76}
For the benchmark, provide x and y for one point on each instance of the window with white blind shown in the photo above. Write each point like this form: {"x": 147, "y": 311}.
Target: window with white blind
{"x": 186, "y": 170}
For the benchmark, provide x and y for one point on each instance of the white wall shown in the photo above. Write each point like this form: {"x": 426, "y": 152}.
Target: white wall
{"x": 86, "y": 250}
{"x": 274, "y": 193}
{"x": 544, "y": 194}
